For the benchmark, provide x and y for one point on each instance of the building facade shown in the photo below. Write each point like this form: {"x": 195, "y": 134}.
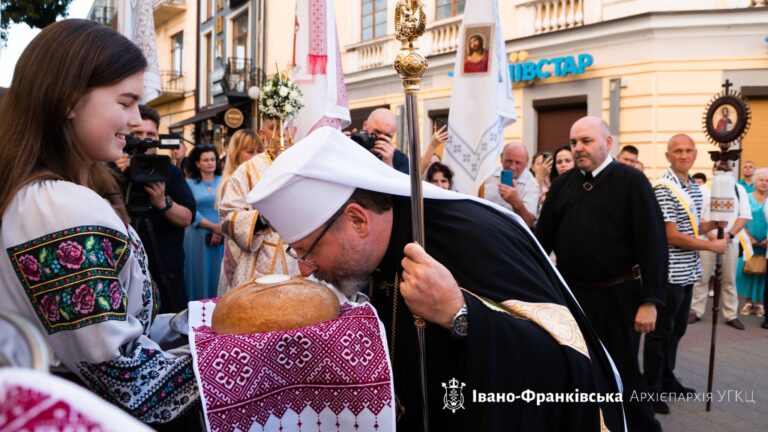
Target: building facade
{"x": 229, "y": 59}
{"x": 648, "y": 67}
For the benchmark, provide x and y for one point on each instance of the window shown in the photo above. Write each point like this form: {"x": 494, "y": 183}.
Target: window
{"x": 208, "y": 9}
{"x": 208, "y": 97}
{"x": 448, "y": 8}
{"x": 374, "y": 19}
{"x": 177, "y": 47}
{"x": 240, "y": 36}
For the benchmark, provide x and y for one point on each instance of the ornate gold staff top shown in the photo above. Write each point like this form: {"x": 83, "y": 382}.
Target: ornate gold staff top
{"x": 410, "y": 22}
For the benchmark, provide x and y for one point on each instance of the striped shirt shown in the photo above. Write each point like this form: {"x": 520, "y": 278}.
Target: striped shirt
{"x": 684, "y": 265}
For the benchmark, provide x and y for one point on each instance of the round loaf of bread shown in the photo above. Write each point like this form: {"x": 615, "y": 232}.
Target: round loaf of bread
{"x": 279, "y": 304}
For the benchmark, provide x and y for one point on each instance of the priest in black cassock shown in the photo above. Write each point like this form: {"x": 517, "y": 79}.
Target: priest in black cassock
{"x": 501, "y": 321}
{"x": 605, "y": 226}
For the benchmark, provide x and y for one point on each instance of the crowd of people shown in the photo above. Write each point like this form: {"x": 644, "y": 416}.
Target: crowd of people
{"x": 92, "y": 273}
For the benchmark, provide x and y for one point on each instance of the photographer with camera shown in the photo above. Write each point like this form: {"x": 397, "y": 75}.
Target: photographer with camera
{"x": 172, "y": 206}
{"x": 376, "y": 136}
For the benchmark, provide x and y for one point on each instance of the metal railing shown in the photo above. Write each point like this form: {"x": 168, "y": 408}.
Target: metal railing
{"x": 240, "y": 75}
{"x": 172, "y": 81}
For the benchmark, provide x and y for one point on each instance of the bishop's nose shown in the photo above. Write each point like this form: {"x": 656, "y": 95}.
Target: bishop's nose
{"x": 306, "y": 270}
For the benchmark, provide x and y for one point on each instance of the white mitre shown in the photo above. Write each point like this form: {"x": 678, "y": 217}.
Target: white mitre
{"x": 312, "y": 179}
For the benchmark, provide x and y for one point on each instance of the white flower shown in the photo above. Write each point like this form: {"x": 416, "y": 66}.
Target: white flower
{"x": 270, "y": 102}
{"x": 283, "y": 91}
{"x": 267, "y": 88}
{"x": 288, "y": 108}
{"x": 294, "y": 95}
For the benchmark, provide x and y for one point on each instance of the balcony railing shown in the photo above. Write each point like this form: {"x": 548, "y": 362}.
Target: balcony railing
{"x": 239, "y": 76}
{"x": 445, "y": 36}
{"x": 172, "y": 81}
{"x": 171, "y": 87}
{"x": 553, "y": 15}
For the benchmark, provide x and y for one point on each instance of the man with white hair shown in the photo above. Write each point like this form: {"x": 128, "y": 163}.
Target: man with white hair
{"x": 499, "y": 319}
{"x": 522, "y": 197}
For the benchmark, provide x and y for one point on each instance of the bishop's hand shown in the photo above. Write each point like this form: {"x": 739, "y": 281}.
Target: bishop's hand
{"x": 429, "y": 289}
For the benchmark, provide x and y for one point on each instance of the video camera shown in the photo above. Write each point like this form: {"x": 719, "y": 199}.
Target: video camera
{"x": 146, "y": 168}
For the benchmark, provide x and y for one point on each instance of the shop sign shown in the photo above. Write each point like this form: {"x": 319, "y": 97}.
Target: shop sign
{"x": 546, "y": 68}
{"x": 233, "y": 118}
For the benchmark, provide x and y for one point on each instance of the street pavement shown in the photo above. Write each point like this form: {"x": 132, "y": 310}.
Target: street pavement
{"x": 741, "y": 365}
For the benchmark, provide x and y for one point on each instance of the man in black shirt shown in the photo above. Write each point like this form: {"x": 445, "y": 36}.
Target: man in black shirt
{"x": 173, "y": 208}
{"x": 383, "y": 123}
{"x": 605, "y": 226}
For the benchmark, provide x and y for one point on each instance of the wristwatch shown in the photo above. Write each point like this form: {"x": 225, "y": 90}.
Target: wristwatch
{"x": 460, "y": 323}
{"x": 168, "y": 204}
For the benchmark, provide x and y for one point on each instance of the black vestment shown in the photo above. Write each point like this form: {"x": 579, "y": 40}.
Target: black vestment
{"x": 492, "y": 256}
{"x": 597, "y": 236}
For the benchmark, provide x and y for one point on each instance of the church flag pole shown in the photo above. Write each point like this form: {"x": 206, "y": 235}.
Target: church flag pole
{"x": 410, "y": 23}
{"x": 725, "y": 132}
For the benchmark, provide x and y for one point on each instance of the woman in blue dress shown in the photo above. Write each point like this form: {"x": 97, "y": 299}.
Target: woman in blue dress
{"x": 751, "y": 287}
{"x": 203, "y": 240}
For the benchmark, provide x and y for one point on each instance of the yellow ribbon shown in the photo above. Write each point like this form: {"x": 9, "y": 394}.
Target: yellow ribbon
{"x": 746, "y": 245}
{"x": 687, "y": 205}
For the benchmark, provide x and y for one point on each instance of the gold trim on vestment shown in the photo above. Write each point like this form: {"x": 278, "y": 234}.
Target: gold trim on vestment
{"x": 232, "y": 218}
{"x": 274, "y": 258}
{"x": 253, "y": 265}
{"x": 555, "y": 319}
{"x": 253, "y": 227}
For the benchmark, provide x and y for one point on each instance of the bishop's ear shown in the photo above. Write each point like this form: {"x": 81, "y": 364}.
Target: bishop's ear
{"x": 359, "y": 219}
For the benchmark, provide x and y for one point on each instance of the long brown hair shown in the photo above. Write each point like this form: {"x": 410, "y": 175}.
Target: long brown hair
{"x": 60, "y": 65}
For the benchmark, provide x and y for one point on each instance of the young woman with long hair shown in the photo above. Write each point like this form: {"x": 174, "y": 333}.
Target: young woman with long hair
{"x": 72, "y": 263}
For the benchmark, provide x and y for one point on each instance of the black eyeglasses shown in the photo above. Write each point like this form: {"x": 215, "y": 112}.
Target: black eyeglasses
{"x": 303, "y": 259}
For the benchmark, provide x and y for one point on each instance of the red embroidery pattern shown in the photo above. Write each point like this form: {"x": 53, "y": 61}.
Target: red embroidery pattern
{"x": 318, "y": 55}
{"x": 340, "y": 364}
{"x": 30, "y": 410}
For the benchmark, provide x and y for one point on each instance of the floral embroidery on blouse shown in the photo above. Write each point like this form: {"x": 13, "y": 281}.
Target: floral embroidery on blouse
{"x": 70, "y": 276}
{"x": 152, "y": 386}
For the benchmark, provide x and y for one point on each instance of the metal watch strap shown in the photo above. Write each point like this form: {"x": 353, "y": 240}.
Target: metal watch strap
{"x": 460, "y": 323}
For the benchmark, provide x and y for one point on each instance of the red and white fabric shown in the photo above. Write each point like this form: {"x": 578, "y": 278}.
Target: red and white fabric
{"x": 317, "y": 69}
{"x": 35, "y": 401}
{"x": 334, "y": 376}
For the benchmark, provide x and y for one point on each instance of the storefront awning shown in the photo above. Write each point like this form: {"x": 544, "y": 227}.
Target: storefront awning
{"x": 205, "y": 114}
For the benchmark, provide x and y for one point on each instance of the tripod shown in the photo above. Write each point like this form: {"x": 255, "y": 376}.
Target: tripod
{"x": 164, "y": 279}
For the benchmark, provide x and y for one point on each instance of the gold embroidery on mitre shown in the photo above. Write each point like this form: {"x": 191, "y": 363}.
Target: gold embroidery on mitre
{"x": 555, "y": 319}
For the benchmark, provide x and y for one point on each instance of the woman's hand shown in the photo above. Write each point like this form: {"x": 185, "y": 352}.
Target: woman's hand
{"x": 439, "y": 137}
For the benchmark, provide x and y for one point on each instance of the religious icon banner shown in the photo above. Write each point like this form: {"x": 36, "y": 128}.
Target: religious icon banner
{"x": 481, "y": 98}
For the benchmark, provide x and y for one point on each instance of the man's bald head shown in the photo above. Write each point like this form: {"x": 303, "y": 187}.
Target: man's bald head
{"x": 514, "y": 156}
{"x": 591, "y": 142}
{"x": 680, "y": 139}
{"x": 381, "y": 121}
{"x": 681, "y": 154}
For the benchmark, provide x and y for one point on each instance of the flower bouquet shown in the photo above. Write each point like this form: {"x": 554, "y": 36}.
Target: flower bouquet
{"x": 280, "y": 99}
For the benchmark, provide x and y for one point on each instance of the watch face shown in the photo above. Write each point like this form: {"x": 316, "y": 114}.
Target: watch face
{"x": 460, "y": 325}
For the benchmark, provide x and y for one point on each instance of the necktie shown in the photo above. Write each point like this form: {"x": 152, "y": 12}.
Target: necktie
{"x": 587, "y": 181}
